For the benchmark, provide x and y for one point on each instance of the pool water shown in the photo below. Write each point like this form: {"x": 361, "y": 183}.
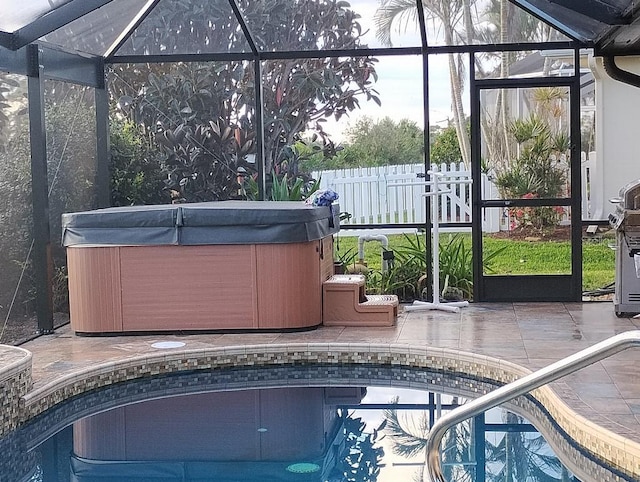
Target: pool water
{"x": 290, "y": 423}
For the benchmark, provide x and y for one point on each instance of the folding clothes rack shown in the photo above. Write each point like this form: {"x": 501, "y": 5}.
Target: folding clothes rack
{"x": 434, "y": 192}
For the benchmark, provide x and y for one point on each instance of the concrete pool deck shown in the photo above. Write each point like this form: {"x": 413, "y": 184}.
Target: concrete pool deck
{"x": 525, "y": 334}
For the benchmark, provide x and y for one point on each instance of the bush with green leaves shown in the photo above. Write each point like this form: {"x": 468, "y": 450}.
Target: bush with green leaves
{"x": 445, "y": 148}
{"x": 383, "y": 142}
{"x": 136, "y": 177}
{"x": 202, "y": 114}
{"x": 407, "y": 276}
{"x": 537, "y": 172}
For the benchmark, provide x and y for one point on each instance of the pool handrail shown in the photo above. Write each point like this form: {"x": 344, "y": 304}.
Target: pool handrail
{"x": 523, "y": 385}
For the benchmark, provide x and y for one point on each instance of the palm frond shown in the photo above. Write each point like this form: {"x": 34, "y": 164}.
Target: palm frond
{"x": 391, "y": 11}
{"x": 405, "y": 442}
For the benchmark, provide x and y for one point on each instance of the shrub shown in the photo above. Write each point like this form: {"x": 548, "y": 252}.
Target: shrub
{"x": 407, "y": 276}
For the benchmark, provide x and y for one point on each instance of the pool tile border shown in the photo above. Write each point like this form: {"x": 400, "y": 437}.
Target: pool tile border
{"x": 21, "y": 401}
{"x": 15, "y": 383}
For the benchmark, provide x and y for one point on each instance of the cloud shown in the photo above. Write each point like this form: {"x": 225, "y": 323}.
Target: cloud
{"x": 401, "y": 93}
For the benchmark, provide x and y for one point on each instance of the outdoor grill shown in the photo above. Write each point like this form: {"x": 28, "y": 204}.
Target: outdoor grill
{"x": 626, "y": 221}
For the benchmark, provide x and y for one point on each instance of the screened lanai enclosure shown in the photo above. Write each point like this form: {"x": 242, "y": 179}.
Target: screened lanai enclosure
{"x": 126, "y": 102}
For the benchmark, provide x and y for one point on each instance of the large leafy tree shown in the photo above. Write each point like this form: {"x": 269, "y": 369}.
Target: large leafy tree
{"x": 203, "y": 114}
{"x": 451, "y": 18}
{"x": 383, "y": 142}
{"x": 445, "y": 148}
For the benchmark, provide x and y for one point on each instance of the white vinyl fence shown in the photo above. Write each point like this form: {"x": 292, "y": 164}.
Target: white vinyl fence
{"x": 592, "y": 188}
{"x": 395, "y": 194}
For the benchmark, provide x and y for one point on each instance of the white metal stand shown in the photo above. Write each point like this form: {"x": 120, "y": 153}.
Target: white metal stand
{"x": 434, "y": 192}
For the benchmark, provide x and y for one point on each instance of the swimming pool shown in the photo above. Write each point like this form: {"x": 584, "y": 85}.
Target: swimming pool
{"x": 291, "y": 422}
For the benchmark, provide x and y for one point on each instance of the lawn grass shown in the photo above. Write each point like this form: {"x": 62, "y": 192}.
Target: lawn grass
{"x": 515, "y": 257}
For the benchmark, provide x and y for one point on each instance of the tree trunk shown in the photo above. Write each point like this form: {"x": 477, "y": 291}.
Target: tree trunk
{"x": 457, "y": 106}
{"x": 504, "y": 73}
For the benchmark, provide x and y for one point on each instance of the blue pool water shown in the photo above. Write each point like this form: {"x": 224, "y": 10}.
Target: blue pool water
{"x": 293, "y": 423}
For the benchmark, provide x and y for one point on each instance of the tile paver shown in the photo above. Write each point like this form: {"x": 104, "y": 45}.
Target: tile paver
{"x": 532, "y": 335}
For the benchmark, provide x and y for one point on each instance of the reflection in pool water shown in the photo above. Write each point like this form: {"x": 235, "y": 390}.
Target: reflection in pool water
{"x": 293, "y": 423}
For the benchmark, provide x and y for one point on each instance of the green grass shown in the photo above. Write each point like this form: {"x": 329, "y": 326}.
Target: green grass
{"x": 517, "y": 257}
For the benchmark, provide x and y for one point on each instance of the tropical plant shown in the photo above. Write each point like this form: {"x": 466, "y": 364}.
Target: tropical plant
{"x": 408, "y": 436}
{"x": 467, "y": 22}
{"x": 299, "y": 190}
{"x": 202, "y": 161}
{"x": 359, "y": 460}
{"x": 523, "y": 456}
{"x": 135, "y": 176}
{"x": 539, "y": 171}
{"x": 177, "y": 103}
{"x": 407, "y": 276}
{"x": 451, "y": 18}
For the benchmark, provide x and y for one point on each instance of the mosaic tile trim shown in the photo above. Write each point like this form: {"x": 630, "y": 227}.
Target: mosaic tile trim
{"x": 616, "y": 450}
{"x": 303, "y": 375}
{"x": 15, "y": 382}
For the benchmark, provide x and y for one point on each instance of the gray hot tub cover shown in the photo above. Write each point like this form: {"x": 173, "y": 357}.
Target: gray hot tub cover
{"x": 223, "y": 222}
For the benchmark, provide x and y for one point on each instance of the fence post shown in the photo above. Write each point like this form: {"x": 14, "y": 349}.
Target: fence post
{"x": 491, "y": 216}
{"x": 365, "y": 194}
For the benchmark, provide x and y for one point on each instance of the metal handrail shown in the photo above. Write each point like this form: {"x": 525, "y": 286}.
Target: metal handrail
{"x": 523, "y": 385}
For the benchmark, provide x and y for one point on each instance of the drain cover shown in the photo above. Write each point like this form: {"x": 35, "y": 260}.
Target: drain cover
{"x": 167, "y": 344}
{"x": 303, "y": 468}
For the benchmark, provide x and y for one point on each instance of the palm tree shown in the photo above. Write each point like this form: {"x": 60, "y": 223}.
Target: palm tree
{"x": 454, "y": 19}
{"x": 503, "y": 22}
{"x": 409, "y": 439}
{"x": 523, "y": 457}
{"x": 513, "y": 25}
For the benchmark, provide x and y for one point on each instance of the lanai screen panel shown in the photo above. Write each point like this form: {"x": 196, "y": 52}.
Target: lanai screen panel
{"x": 71, "y": 167}
{"x": 310, "y": 25}
{"x": 524, "y": 64}
{"x": 382, "y": 142}
{"x": 584, "y": 20}
{"x": 16, "y": 221}
{"x": 448, "y": 23}
{"x": 96, "y": 31}
{"x": 17, "y": 14}
{"x": 187, "y": 27}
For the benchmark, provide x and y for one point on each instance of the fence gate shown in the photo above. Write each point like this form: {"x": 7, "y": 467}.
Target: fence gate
{"x": 526, "y": 132}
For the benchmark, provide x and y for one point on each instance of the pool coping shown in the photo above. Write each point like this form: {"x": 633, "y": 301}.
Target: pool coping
{"x": 22, "y": 401}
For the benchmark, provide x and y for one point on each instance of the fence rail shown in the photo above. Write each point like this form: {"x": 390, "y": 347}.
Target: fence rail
{"x": 394, "y": 194}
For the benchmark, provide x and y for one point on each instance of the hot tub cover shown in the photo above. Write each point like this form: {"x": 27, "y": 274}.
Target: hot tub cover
{"x": 222, "y": 222}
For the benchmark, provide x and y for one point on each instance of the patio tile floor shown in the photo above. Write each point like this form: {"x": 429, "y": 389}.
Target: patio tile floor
{"x": 532, "y": 335}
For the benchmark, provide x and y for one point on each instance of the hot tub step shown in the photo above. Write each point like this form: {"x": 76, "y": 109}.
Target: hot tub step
{"x": 344, "y": 303}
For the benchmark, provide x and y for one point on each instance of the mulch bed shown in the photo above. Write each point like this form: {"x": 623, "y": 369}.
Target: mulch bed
{"x": 558, "y": 233}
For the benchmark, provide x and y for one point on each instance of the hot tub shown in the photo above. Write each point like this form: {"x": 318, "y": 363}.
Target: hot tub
{"x": 230, "y": 265}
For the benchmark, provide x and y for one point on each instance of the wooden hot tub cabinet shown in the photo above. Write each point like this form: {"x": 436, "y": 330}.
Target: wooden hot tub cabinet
{"x": 260, "y": 268}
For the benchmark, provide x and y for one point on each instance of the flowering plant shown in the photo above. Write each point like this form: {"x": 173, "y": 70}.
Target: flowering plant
{"x": 537, "y": 218}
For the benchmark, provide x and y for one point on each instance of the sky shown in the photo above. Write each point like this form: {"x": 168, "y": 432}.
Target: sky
{"x": 399, "y": 79}
{"x": 400, "y": 89}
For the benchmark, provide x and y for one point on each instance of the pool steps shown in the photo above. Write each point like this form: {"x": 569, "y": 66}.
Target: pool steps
{"x": 345, "y": 303}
